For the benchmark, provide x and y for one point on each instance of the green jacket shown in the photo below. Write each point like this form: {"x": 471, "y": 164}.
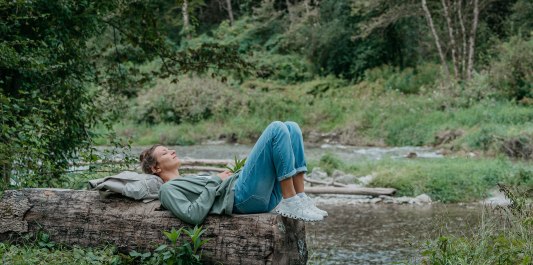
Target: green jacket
{"x": 192, "y": 198}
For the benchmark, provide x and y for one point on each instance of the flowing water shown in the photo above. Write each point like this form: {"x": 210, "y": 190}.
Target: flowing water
{"x": 345, "y": 153}
{"x": 364, "y": 233}
{"x": 383, "y": 233}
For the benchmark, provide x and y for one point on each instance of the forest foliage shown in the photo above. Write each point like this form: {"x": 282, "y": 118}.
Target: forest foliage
{"x": 69, "y": 68}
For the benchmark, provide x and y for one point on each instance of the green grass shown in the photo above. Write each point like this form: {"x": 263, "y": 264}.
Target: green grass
{"x": 446, "y": 180}
{"x": 361, "y": 114}
{"x": 505, "y": 236}
{"x": 449, "y": 180}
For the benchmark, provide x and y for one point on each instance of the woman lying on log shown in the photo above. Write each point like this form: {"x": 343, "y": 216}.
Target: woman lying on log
{"x": 272, "y": 177}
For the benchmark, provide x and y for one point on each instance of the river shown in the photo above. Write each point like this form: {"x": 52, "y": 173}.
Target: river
{"x": 364, "y": 233}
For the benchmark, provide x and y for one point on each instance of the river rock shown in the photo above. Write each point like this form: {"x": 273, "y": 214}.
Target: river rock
{"x": 318, "y": 174}
{"x": 422, "y": 199}
{"x": 404, "y": 200}
{"x": 497, "y": 198}
{"x": 386, "y": 199}
{"x": 365, "y": 180}
{"x": 375, "y": 200}
{"x": 344, "y": 178}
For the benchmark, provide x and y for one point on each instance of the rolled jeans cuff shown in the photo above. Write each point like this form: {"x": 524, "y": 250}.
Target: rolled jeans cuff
{"x": 288, "y": 175}
{"x": 301, "y": 169}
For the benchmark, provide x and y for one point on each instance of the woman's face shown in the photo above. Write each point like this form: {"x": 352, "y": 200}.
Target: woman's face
{"x": 167, "y": 160}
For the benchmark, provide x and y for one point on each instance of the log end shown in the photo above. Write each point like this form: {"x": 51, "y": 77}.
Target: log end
{"x": 13, "y": 207}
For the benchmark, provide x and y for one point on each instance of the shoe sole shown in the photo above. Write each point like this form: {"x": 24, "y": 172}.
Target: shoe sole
{"x": 296, "y": 217}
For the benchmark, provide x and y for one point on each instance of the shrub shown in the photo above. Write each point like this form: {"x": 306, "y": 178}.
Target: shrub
{"x": 330, "y": 162}
{"x": 287, "y": 68}
{"x": 512, "y": 73}
{"x": 504, "y": 237}
{"x": 407, "y": 81}
{"x": 191, "y": 99}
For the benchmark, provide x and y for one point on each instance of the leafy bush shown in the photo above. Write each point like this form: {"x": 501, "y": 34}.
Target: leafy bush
{"x": 191, "y": 99}
{"x": 41, "y": 250}
{"x": 511, "y": 74}
{"x": 407, "y": 81}
{"x": 285, "y": 68}
{"x": 330, "y": 162}
{"x": 187, "y": 252}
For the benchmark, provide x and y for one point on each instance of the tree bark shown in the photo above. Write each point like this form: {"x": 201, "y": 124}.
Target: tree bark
{"x": 445, "y": 6}
{"x": 351, "y": 191}
{"x": 463, "y": 33}
{"x": 185, "y": 13}
{"x": 307, "y": 8}
{"x": 436, "y": 37}
{"x": 81, "y": 218}
{"x": 320, "y": 182}
{"x": 289, "y": 10}
{"x": 472, "y": 41}
{"x": 230, "y": 12}
{"x": 6, "y": 174}
{"x": 202, "y": 168}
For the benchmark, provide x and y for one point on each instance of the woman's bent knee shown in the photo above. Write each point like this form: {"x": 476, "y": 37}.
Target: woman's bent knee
{"x": 293, "y": 127}
{"x": 278, "y": 127}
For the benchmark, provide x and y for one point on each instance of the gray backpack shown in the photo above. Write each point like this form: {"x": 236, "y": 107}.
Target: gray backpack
{"x": 130, "y": 184}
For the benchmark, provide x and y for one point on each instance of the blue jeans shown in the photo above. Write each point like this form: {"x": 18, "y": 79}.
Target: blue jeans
{"x": 277, "y": 155}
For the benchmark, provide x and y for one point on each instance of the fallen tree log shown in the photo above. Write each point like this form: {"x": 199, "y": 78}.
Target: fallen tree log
{"x": 202, "y": 168}
{"x": 82, "y": 218}
{"x": 198, "y": 162}
{"x": 185, "y": 161}
{"x": 320, "y": 182}
{"x": 351, "y": 191}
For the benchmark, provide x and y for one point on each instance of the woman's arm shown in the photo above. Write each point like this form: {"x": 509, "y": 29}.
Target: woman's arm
{"x": 173, "y": 198}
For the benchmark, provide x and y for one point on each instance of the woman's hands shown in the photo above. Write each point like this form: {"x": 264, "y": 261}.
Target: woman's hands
{"x": 225, "y": 175}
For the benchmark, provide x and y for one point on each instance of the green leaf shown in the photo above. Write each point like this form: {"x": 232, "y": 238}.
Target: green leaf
{"x": 160, "y": 248}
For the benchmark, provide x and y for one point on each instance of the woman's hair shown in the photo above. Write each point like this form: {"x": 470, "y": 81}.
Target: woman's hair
{"x": 148, "y": 160}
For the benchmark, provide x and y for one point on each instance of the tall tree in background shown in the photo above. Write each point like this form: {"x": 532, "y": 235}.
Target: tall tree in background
{"x": 462, "y": 57}
{"x": 453, "y": 25}
{"x": 230, "y": 12}
{"x": 186, "y": 21}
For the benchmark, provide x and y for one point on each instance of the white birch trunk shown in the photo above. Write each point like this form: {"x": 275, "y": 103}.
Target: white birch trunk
{"x": 472, "y": 41}
{"x": 445, "y": 6}
{"x": 185, "y": 13}
{"x": 230, "y": 12}
{"x": 463, "y": 34}
{"x": 436, "y": 37}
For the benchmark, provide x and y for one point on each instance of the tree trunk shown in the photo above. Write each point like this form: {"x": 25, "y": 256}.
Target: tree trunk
{"x": 5, "y": 170}
{"x": 82, "y": 218}
{"x": 289, "y": 10}
{"x": 463, "y": 33}
{"x": 320, "y": 182}
{"x": 230, "y": 12}
{"x": 352, "y": 191}
{"x": 436, "y": 37}
{"x": 445, "y": 6}
{"x": 472, "y": 41}
{"x": 185, "y": 13}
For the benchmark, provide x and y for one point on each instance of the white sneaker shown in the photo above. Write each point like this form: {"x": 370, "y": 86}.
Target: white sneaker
{"x": 310, "y": 204}
{"x": 296, "y": 210}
